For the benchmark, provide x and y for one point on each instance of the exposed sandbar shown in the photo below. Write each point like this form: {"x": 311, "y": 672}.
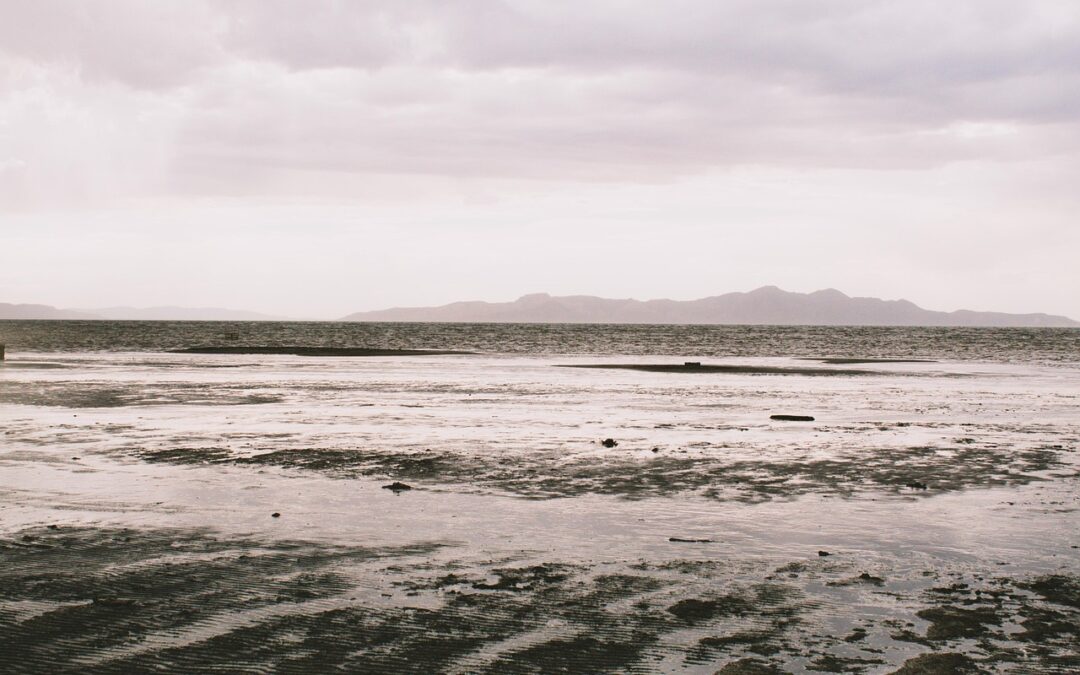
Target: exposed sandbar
{"x": 724, "y": 368}
{"x": 852, "y": 361}
{"x": 318, "y": 351}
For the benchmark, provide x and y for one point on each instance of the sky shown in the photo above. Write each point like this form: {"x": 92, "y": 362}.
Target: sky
{"x": 317, "y": 158}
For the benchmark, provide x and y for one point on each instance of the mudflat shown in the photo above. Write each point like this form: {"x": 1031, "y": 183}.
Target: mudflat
{"x": 195, "y": 512}
{"x": 317, "y": 351}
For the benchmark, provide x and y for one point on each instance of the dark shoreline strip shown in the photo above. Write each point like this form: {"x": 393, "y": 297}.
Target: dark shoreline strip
{"x": 738, "y": 370}
{"x": 841, "y": 361}
{"x": 318, "y": 351}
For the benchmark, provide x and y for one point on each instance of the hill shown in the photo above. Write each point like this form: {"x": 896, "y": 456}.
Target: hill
{"x": 768, "y": 305}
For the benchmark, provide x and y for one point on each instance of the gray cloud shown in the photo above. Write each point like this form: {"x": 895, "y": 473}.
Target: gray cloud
{"x": 595, "y": 91}
{"x": 140, "y": 44}
{"x": 132, "y": 109}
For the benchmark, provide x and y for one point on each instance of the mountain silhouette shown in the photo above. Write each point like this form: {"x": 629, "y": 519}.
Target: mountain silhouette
{"x": 39, "y": 312}
{"x": 768, "y": 305}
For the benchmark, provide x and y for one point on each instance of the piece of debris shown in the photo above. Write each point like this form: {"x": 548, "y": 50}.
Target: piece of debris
{"x": 656, "y": 449}
{"x": 916, "y": 485}
{"x": 397, "y": 486}
{"x": 609, "y": 442}
{"x": 275, "y": 514}
{"x": 823, "y": 554}
{"x": 792, "y": 418}
{"x": 692, "y": 364}
{"x": 681, "y": 540}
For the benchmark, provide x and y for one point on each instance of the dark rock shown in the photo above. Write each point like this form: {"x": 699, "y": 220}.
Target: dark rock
{"x": 275, "y": 514}
{"x": 609, "y": 442}
{"x": 916, "y": 485}
{"x": 658, "y": 450}
{"x": 792, "y": 418}
{"x": 823, "y": 553}
{"x": 397, "y": 486}
{"x": 871, "y": 579}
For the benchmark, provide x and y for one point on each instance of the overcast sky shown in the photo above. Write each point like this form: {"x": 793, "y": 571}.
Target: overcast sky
{"x": 318, "y": 158}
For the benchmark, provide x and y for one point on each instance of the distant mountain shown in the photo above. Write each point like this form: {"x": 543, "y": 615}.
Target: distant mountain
{"x": 768, "y": 305}
{"x": 9, "y": 311}
{"x": 181, "y": 314}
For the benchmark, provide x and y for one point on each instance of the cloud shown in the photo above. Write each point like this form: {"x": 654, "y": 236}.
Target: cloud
{"x": 133, "y": 99}
{"x": 140, "y": 44}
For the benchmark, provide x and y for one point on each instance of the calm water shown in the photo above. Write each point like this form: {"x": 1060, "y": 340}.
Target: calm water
{"x": 1022, "y": 345}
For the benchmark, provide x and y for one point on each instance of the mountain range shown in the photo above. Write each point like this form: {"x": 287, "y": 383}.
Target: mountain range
{"x": 768, "y": 305}
{"x": 9, "y": 311}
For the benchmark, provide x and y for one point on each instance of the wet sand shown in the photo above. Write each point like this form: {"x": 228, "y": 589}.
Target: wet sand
{"x": 920, "y": 524}
{"x": 317, "y": 351}
{"x": 851, "y": 360}
{"x": 726, "y": 368}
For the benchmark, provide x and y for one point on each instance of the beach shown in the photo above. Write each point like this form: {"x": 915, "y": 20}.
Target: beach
{"x": 200, "y": 512}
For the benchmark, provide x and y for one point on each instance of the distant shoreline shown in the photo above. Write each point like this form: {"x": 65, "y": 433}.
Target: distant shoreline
{"x": 766, "y": 306}
{"x": 539, "y": 323}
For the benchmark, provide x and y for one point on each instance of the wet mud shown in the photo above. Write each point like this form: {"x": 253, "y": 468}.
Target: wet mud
{"x": 106, "y": 394}
{"x": 919, "y": 471}
{"x": 713, "y": 368}
{"x": 121, "y": 600}
{"x": 846, "y": 360}
{"x": 318, "y": 351}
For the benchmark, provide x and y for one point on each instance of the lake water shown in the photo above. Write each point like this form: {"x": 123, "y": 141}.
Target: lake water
{"x": 939, "y": 475}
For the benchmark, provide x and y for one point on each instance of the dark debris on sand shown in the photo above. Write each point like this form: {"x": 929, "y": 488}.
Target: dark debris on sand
{"x": 727, "y": 369}
{"x": 83, "y": 599}
{"x": 948, "y": 663}
{"x": 318, "y": 351}
{"x": 639, "y": 476}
